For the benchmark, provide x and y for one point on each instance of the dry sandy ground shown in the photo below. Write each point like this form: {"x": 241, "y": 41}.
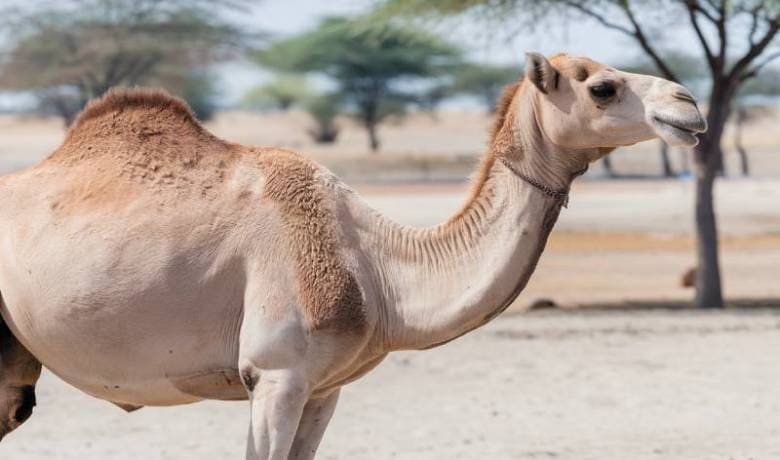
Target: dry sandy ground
{"x": 448, "y": 135}
{"x": 549, "y": 385}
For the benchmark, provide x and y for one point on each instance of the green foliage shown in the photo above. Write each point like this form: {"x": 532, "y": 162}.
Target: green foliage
{"x": 197, "y": 88}
{"x": 484, "y": 81}
{"x": 323, "y": 108}
{"x": 372, "y": 64}
{"x": 281, "y": 93}
{"x": 69, "y": 52}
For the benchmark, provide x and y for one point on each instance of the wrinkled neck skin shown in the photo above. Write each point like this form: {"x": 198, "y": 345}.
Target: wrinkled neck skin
{"x": 436, "y": 284}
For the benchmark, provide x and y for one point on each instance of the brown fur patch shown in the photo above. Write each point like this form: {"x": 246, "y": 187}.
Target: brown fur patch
{"x": 581, "y": 74}
{"x": 147, "y": 137}
{"x": 502, "y": 108}
{"x": 328, "y": 291}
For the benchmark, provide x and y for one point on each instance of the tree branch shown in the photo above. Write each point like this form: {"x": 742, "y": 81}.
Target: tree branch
{"x": 598, "y": 17}
{"x": 640, "y": 37}
{"x": 722, "y": 35}
{"x": 693, "y": 4}
{"x": 635, "y": 32}
{"x": 754, "y": 13}
{"x": 692, "y": 9}
{"x": 757, "y": 68}
{"x": 755, "y": 50}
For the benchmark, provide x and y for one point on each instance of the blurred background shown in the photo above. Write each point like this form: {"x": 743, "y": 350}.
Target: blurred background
{"x": 396, "y": 97}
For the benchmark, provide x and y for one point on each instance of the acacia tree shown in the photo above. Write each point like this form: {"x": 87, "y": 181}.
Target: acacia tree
{"x": 766, "y": 84}
{"x": 375, "y": 67}
{"x": 280, "y": 93}
{"x": 737, "y": 38}
{"x": 70, "y": 51}
{"x": 484, "y": 81}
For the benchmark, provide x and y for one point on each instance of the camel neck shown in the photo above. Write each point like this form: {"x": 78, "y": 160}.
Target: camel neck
{"x": 438, "y": 283}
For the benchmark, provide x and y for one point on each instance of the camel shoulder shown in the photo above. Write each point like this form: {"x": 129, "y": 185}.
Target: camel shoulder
{"x": 306, "y": 195}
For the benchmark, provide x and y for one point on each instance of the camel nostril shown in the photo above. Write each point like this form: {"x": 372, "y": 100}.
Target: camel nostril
{"x": 684, "y": 96}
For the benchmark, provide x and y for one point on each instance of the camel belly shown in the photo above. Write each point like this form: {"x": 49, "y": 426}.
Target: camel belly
{"x": 126, "y": 354}
{"x": 136, "y": 354}
{"x": 135, "y": 326}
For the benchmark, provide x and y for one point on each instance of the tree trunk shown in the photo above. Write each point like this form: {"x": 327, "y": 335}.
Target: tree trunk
{"x": 373, "y": 139}
{"x": 709, "y": 293}
{"x": 666, "y": 162}
{"x": 608, "y": 167}
{"x": 743, "y": 156}
{"x": 685, "y": 160}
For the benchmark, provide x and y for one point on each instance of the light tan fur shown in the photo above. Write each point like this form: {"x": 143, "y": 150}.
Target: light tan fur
{"x": 148, "y": 262}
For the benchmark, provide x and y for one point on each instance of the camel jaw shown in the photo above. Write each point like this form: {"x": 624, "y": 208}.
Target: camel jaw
{"x": 678, "y": 131}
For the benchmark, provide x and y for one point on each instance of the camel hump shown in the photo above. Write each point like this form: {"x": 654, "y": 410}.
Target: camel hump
{"x": 156, "y": 102}
{"x": 139, "y": 123}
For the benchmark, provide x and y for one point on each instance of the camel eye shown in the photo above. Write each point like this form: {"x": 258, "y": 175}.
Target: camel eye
{"x": 603, "y": 91}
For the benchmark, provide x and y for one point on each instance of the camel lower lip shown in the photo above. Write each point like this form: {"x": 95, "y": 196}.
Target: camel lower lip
{"x": 676, "y": 126}
{"x": 675, "y": 134}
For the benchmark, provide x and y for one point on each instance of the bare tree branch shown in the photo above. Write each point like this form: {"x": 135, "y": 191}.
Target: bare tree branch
{"x": 754, "y": 51}
{"x": 692, "y": 9}
{"x": 754, "y": 20}
{"x": 640, "y": 36}
{"x": 634, "y": 32}
{"x": 695, "y": 5}
{"x": 598, "y": 17}
{"x": 757, "y": 68}
{"x": 722, "y": 34}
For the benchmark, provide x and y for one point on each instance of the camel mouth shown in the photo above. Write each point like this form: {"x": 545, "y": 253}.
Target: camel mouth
{"x": 675, "y": 131}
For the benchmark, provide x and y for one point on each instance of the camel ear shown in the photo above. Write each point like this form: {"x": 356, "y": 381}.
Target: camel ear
{"x": 540, "y": 72}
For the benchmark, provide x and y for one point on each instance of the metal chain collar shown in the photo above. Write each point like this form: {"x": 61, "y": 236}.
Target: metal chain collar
{"x": 559, "y": 195}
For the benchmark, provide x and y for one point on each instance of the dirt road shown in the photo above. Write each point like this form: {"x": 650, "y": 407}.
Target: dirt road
{"x": 548, "y": 385}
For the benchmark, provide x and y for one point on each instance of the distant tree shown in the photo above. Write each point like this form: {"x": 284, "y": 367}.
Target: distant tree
{"x": 608, "y": 168}
{"x": 281, "y": 93}
{"x": 70, "y": 51}
{"x": 323, "y": 109}
{"x": 766, "y": 84}
{"x": 431, "y": 98}
{"x": 736, "y": 39}
{"x": 484, "y": 81}
{"x": 375, "y": 67}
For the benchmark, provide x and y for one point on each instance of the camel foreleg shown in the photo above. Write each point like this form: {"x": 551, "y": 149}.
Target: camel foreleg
{"x": 277, "y": 403}
{"x": 316, "y": 416}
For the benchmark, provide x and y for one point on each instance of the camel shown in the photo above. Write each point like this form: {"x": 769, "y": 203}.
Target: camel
{"x": 148, "y": 262}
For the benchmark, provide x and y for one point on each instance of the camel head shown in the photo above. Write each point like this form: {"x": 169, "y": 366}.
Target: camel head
{"x": 582, "y": 104}
{"x": 19, "y": 371}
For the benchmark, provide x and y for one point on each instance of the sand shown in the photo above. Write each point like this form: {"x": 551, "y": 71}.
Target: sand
{"x": 551, "y": 385}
